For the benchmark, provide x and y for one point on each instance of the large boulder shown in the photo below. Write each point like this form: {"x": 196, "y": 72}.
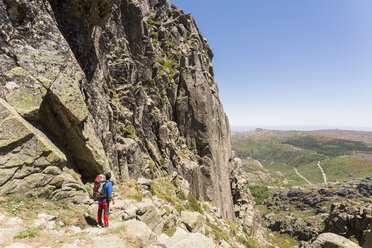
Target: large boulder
{"x": 192, "y": 220}
{"x": 331, "y": 240}
{"x": 140, "y": 231}
{"x": 184, "y": 239}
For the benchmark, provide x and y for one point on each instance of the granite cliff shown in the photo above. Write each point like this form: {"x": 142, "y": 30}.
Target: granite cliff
{"x": 122, "y": 86}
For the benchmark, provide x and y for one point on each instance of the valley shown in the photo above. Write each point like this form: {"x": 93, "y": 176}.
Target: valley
{"x": 309, "y": 183}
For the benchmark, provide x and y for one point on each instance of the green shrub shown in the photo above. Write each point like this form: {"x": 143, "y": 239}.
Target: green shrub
{"x": 259, "y": 193}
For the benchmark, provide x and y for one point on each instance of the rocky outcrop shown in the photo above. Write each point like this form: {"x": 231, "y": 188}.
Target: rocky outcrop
{"x": 121, "y": 85}
{"x": 342, "y": 208}
{"x": 244, "y": 205}
{"x": 331, "y": 240}
{"x": 350, "y": 220}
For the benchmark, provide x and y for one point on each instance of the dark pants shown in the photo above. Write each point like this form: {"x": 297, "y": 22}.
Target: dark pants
{"x": 103, "y": 206}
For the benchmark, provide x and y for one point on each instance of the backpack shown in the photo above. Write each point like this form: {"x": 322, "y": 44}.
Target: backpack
{"x": 99, "y": 187}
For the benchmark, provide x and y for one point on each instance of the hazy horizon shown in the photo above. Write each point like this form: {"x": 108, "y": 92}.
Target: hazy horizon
{"x": 290, "y": 63}
{"x": 297, "y": 128}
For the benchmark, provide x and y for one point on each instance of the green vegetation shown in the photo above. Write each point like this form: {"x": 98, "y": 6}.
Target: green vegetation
{"x": 259, "y": 193}
{"x": 167, "y": 210}
{"x": 273, "y": 150}
{"x": 218, "y": 233}
{"x": 151, "y": 23}
{"x": 248, "y": 242}
{"x": 128, "y": 131}
{"x": 194, "y": 204}
{"x": 164, "y": 190}
{"x": 167, "y": 66}
{"x": 27, "y": 233}
{"x": 136, "y": 196}
{"x": 170, "y": 127}
{"x": 28, "y": 207}
{"x": 280, "y": 151}
{"x": 327, "y": 145}
{"x": 282, "y": 240}
{"x": 206, "y": 208}
{"x": 168, "y": 229}
{"x": 116, "y": 230}
{"x": 154, "y": 35}
{"x": 232, "y": 225}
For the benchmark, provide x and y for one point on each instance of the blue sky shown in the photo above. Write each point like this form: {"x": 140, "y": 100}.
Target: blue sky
{"x": 290, "y": 64}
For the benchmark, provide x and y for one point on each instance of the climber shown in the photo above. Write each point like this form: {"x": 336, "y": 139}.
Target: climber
{"x": 104, "y": 203}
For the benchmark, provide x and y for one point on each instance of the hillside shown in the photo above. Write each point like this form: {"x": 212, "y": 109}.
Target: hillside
{"x": 309, "y": 183}
{"x": 301, "y": 156}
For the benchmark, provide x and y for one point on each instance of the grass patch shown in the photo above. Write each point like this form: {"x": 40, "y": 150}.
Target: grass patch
{"x": 27, "y": 233}
{"x": 136, "y": 196}
{"x": 168, "y": 229}
{"x": 249, "y": 242}
{"x": 166, "y": 191}
{"x": 116, "y": 230}
{"x": 28, "y": 207}
{"x": 167, "y": 210}
{"x": 217, "y": 232}
{"x": 234, "y": 228}
{"x": 167, "y": 66}
{"x": 206, "y": 208}
{"x": 194, "y": 204}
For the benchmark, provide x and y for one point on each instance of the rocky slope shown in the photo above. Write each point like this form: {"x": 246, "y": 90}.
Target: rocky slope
{"x": 147, "y": 213}
{"x": 342, "y": 208}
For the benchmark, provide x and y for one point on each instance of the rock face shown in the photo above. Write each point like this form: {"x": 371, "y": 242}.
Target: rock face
{"x": 92, "y": 86}
{"x": 349, "y": 220}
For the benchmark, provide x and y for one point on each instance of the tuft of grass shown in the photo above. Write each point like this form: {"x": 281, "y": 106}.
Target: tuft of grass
{"x": 179, "y": 207}
{"x": 166, "y": 190}
{"x": 249, "y": 242}
{"x": 136, "y": 196}
{"x": 127, "y": 130}
{"x": 116, "y": 230}
{"x": 182, "y": 196}
{"x": 27, "y": 233}
{"x": 170, "y": 127}
{"x": 194, "y": 204}
{"x": 232, "y": 225}
{"x": 168, "y": 229}
{"x": 218, "y": 233}
{"x": 167, "y": 210}
{"x": 155, "y": 35}
{"x": 167, "y": 65}
{"x": 206, "y": 208}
